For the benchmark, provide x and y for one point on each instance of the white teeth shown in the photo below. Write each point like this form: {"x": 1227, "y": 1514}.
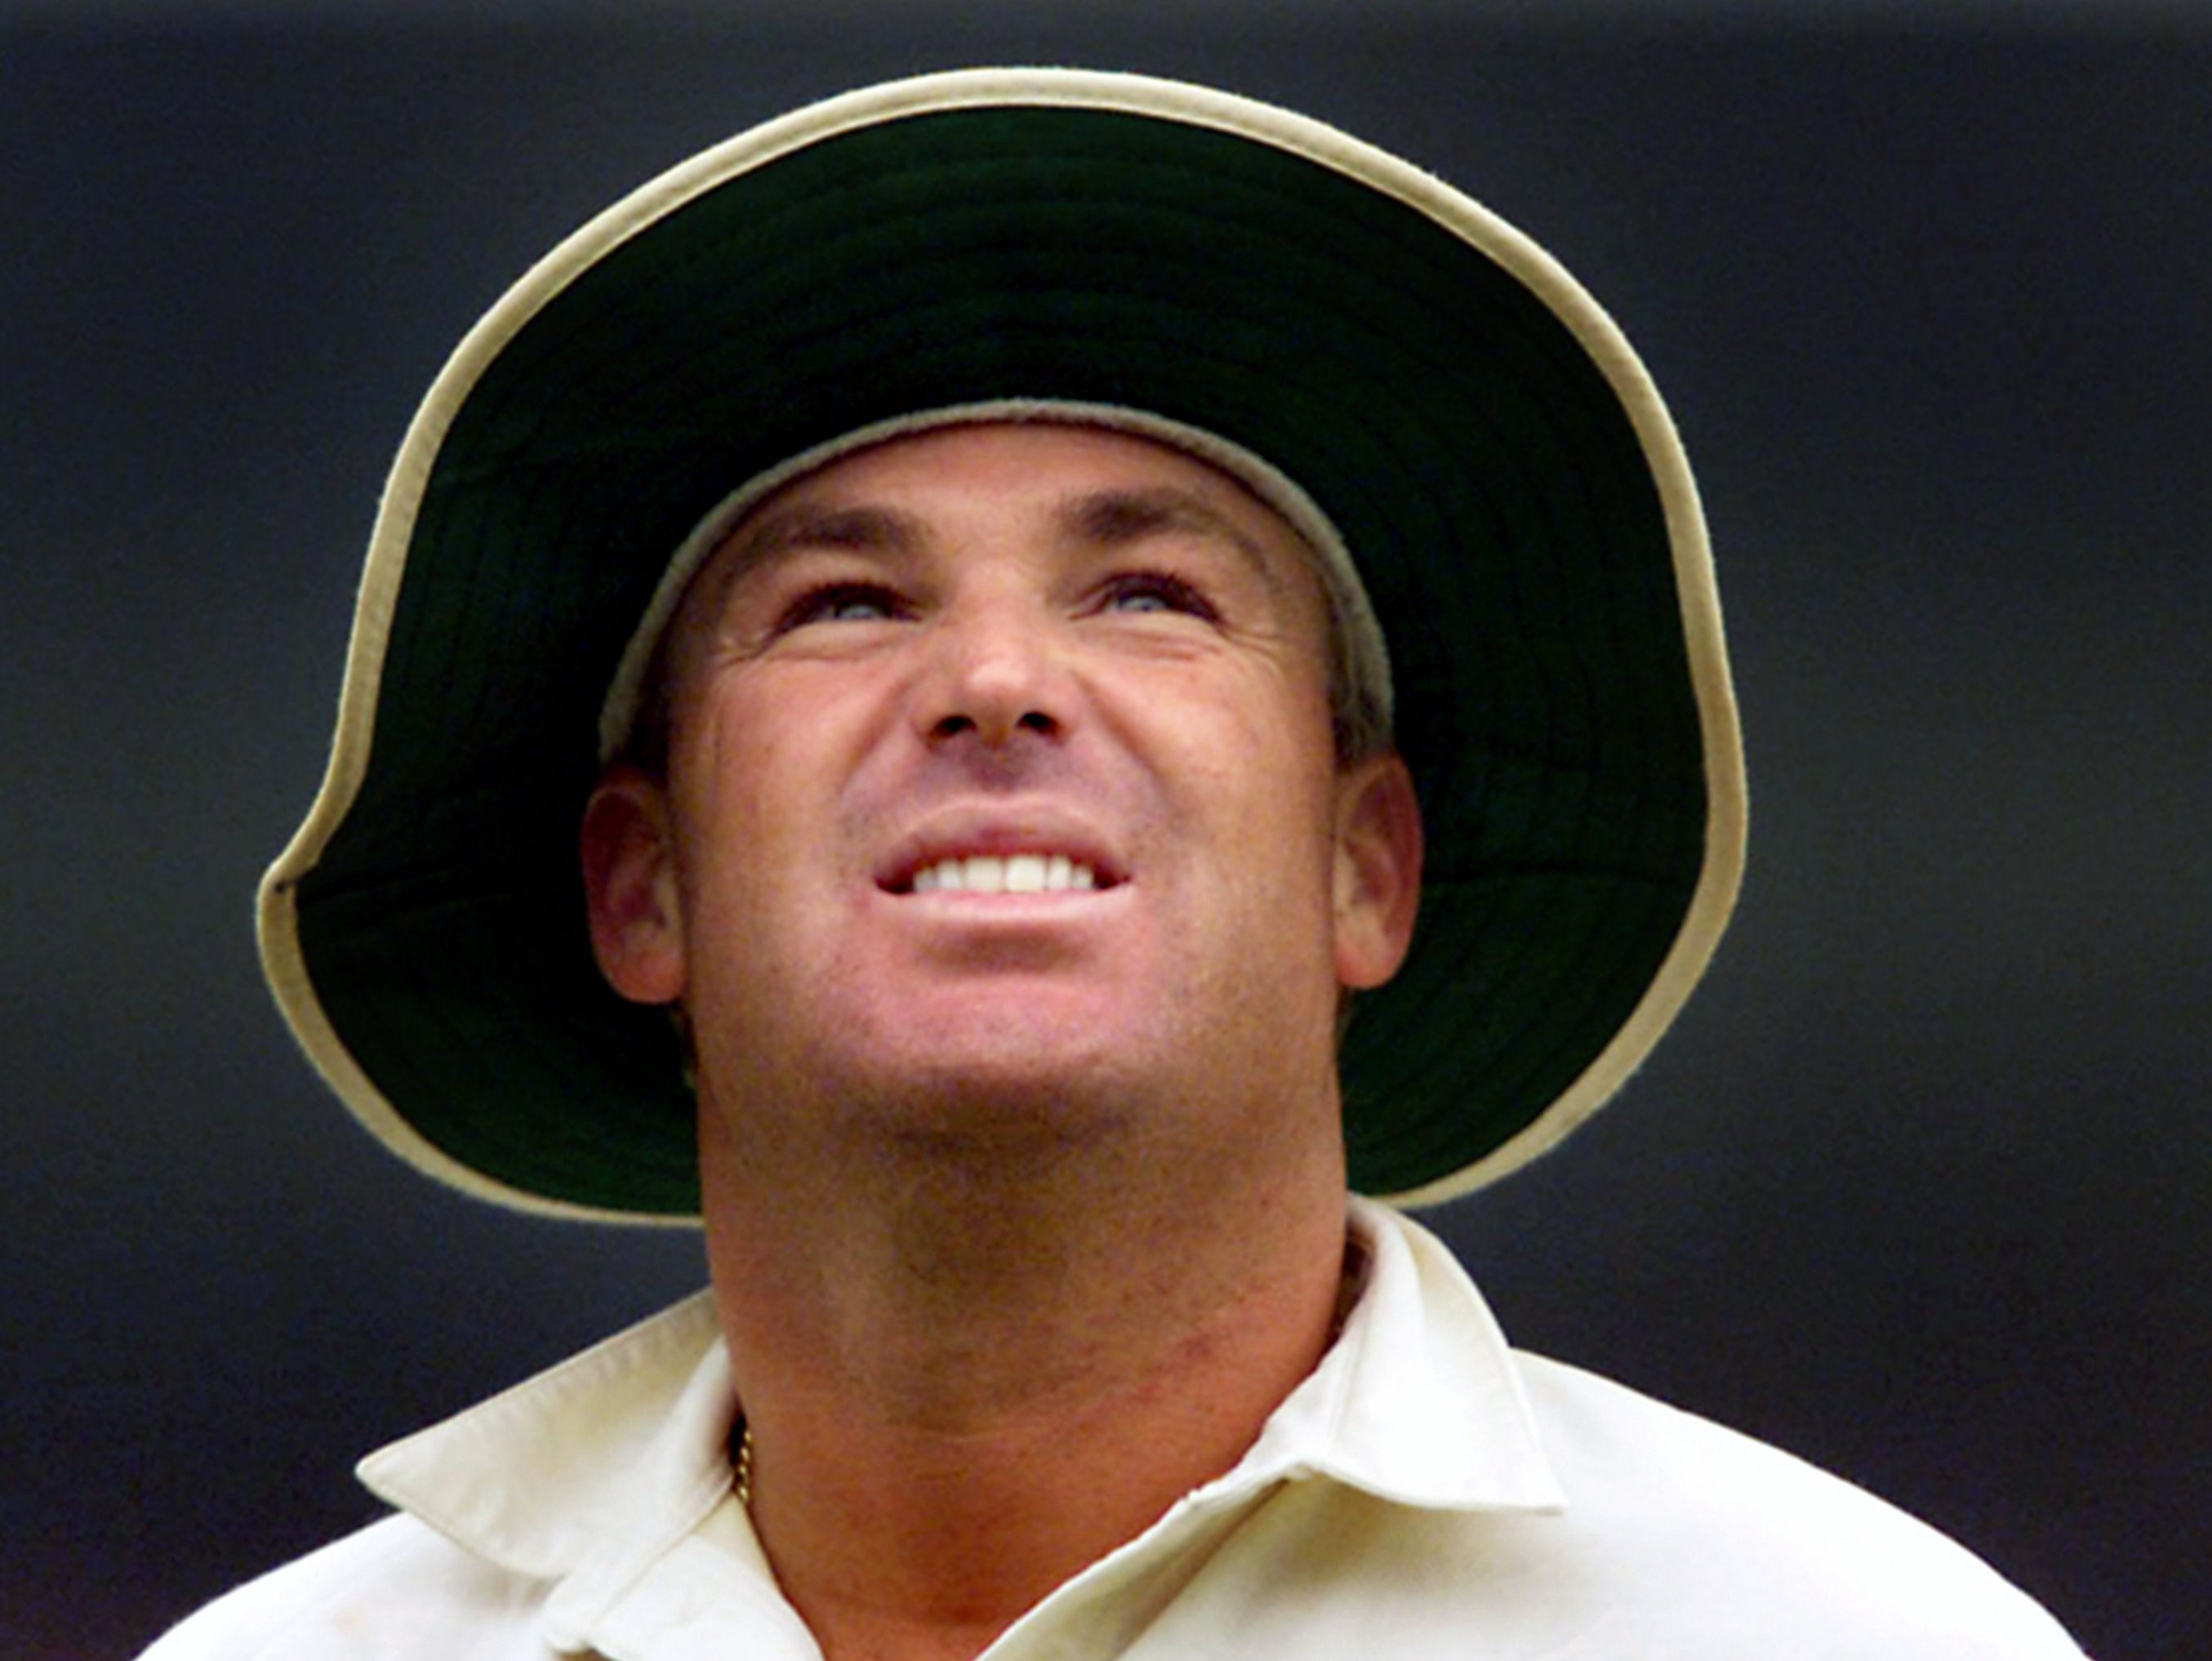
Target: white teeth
{"x": 1013, "y": 874}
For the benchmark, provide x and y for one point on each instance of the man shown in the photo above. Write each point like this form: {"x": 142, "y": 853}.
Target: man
{"x": 1187, "y": 684}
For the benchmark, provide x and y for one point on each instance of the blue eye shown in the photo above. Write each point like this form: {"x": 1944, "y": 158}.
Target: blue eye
{"x": 1157, "y": 591}
{"x": 843, "y": 602}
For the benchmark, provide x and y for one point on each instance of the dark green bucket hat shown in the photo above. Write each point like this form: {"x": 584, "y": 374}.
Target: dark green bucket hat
{"x": 1471, "y": 426}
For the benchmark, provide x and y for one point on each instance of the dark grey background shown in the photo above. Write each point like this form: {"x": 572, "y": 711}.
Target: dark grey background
{"x": 1916, "y": 1190}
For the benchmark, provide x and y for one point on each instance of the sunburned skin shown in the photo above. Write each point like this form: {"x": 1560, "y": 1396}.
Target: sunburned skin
{"x": 998, "y": 752}
{"x": 1007, "y": 873}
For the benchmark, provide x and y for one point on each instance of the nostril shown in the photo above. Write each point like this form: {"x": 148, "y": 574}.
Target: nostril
{"x": 992, "y": 734}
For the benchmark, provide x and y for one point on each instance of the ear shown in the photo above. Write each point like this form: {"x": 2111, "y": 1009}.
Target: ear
{"x": 1377, "y": 870}
{"x": 629, "y": 887}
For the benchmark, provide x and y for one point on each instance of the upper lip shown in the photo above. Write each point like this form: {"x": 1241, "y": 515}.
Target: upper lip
{"x": 1002, "y": 831}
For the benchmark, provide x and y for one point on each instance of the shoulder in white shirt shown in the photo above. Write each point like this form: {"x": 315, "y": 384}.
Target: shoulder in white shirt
{"x": 1425, "y": 1494}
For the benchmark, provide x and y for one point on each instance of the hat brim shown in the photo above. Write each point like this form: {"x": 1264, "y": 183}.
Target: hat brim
{"x": 1490, "y": 450}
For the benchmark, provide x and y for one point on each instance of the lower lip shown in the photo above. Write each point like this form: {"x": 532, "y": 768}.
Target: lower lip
{"x": 1008, "y": 896}
{"x": 968, "y": 903}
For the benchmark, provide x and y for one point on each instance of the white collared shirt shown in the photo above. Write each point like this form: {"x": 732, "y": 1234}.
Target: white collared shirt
{"x": 1425, "y": 1494}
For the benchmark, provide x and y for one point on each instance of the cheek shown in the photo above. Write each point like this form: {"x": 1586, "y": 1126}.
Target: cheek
{"x": 1259, "y": 774}
{"x": 756, "y": 740}
{"x": 770, "y": 776}
{"x": 1274, "y": 740}
{"x": 736, "y": 797}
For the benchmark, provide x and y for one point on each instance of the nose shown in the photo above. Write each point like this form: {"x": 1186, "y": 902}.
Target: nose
{"x": 996, "y": 673}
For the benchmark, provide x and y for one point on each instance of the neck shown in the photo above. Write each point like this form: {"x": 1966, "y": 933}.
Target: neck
{"x": 969, "y": 1370}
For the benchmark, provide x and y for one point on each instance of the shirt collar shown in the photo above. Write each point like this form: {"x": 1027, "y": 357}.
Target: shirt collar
{"x": 622, "y": 1447}
{"x": 591, "y": 1470}
{"x": 1418, "y": 1402}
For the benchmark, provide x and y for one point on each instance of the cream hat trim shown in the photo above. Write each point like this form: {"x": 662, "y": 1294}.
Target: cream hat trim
{"x": 1389, "y": 176}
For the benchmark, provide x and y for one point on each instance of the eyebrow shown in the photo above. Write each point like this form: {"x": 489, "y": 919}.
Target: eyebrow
{"x": 805, "y": 524}
{"x": 1115, "y": 518}
{"x": 811, "y": 525}
{"x": 1109, "y": 519}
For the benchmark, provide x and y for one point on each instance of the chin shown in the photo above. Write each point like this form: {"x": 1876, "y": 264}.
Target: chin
{"x": 1022, "y": 1073}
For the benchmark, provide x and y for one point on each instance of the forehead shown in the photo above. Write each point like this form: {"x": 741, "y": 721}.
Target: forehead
{"x": 1089, "y": 486}
{"x": 1087, "y": 482}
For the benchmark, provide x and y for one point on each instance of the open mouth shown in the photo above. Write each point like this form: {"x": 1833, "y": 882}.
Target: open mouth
{"x": 1004, "y": 873}
{"x": 1018, "y": 872}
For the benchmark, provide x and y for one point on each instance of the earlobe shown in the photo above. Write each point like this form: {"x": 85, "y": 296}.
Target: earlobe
{"x": 629, "y": 887}
{"x": 1377, "y": 870}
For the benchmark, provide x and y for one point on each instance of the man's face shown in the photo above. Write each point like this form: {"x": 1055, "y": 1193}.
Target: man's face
{"x": 999, "y": 772}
